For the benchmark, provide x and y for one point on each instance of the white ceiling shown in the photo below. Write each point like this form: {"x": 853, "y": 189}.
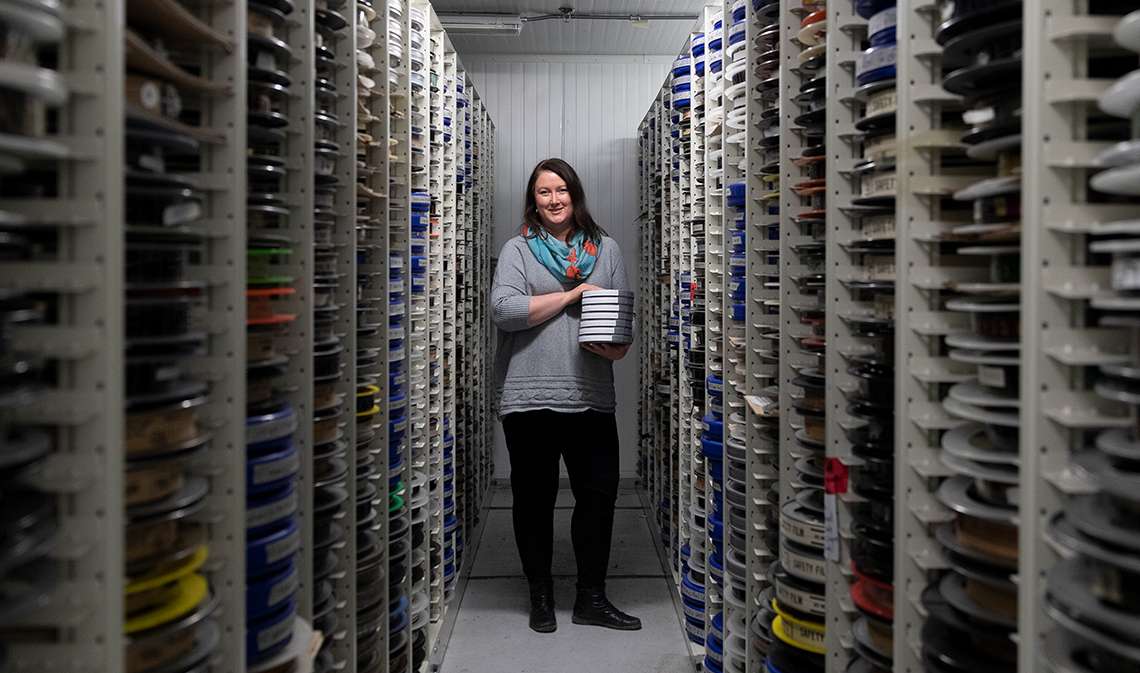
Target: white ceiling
{"x": 579, "y": 36}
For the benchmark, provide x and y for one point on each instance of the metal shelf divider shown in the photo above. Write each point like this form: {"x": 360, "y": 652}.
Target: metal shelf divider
{"x": 87, "y": 339}
{"x": 845, "y": 34}
{"x": 344, "y": 234}
{"x": 921, "y": 321}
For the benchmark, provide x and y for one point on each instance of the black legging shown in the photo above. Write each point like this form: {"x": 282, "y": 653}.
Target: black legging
{"x": 588, "y": 442}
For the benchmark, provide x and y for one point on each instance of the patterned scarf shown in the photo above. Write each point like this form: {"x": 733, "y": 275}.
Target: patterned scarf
{"x": 567, "y": 263}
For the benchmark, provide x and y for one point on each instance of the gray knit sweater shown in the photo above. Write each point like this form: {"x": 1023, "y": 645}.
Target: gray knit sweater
{"x": 543, "y": 367}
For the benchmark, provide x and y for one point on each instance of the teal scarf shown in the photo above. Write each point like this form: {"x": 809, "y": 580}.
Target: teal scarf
{"x": 567, "y": 263}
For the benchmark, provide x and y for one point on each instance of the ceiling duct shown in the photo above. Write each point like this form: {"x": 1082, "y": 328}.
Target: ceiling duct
{"x": 481, "y": 24}
{"x": 508, "y": 24}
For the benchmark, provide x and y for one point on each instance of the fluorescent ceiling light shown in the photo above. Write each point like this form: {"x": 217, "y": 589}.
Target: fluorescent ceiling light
{"x": 481, "y": 24}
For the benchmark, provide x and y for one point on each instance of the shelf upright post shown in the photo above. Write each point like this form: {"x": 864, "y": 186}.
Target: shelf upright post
{"x": 670, "y": 237}
{"x": 653, "y": 301}
{"x": 1061, "y": 344}
{"x": 399, "y": 239}
{"x": 418, "y": 343}
{"x": 84, "y": 410}
{"x": 344, "y": 237}
{"x": 738, "y": 376}
{"x": 920, "y": 323}
{"x": 223, "y": 167}
{"x": 298, "y": 338}
{"x": 453, "y": 381}
{"x": 671, "y": 461}
{"x": 434, "y": 276}
{"x": 370, "y": 250}
{"x": 486, "y": 342}
{"x": 791, "y": 297}
{"x": 761, "y": 264}
{"x": 644, "y": 288}
{"x": 93, "y": 567}
{"x": 845, "y": 34}
{"x": 716, "y": 267}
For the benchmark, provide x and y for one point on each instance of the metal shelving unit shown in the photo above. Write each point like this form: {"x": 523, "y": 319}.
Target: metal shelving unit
{"x": 343, "y": 213}
{"x": 914, "y": 244}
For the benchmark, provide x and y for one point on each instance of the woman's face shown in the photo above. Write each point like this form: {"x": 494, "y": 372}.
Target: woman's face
{"x": 552, "y": 198}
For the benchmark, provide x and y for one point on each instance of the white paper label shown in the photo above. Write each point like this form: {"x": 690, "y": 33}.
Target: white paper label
{"x": 1126, "y": 273}
{"x": 278, "y": 469}
{"x": 284, "y": 589}
{"x": 800, "y": 600}
{"x": 993, "y": 377}
{"x": 830, "y": 528}
{"x": 876, "y": 226}
{"x": 282, "y": 548}
{"x": 883, "y": 102}
{"x": 804, "y": 567}
{"x": 888, "y": 18}
{"x": 259, "y": 516}
{"x": 166, "y": 373}
{"x": 879, "y": 184}
{"x": 152, "y": 162}
{"x": 275, "y": 634}
{"x": 880, "y": 147}
{"x": 801, "y": 532}
{"x": 263, "y": 432}
{"x": 180, "y": 213}
{"x": 265, "y": 60}
{"x": 873, "y": 59}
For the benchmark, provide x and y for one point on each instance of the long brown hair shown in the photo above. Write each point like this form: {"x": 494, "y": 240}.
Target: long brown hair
{"x": 580, "y": 217}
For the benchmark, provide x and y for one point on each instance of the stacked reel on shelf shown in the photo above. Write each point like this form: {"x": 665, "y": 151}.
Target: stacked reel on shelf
{"x": 709, "y": 506}
{"x": 420, "y": 507}
{"x": 1091, "y": 594}
{"x": 273, "y": 538}
{"x": 397, "y": 332}
{"x": 372, "y": 27}
{"x": 977, "y": 600}
{"x": 761, "y": 240}
{"x": 727, "y": 436}
{"x": 798, "y": 578}
{"x": 168, "y": 601}
{"x": 871, "y": 401}
{"x": 678, "y": 111}
{"x": 29, "y": 525}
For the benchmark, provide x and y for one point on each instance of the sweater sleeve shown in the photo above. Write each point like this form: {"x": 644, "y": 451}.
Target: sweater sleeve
{"x": 510, "y": 301}
{"x": 621, "y": 281}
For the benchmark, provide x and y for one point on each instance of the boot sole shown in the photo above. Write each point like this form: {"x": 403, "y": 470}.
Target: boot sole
{"x": 551, "y": 629}
{"x": 596, "y": 622}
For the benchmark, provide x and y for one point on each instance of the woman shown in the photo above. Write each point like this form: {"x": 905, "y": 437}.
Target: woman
{"x": 556, "y": 398}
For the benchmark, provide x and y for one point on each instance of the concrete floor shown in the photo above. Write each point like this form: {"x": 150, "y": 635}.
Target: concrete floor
{"x": 490, "y": 633}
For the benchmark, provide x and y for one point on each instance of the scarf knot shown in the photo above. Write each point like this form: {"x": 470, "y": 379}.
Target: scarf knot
{"x": 567, "y": 262}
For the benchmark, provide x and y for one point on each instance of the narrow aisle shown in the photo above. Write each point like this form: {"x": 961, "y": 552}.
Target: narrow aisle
{"x": 491, "y": 635}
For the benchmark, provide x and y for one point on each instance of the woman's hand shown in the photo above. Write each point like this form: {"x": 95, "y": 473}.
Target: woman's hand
{"x": 576, "y": 293}
{"x": 543, "y": 307}
{"x": 609, "y": 351}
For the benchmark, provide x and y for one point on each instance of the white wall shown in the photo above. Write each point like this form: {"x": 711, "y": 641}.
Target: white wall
{"x": 586, "y": 110}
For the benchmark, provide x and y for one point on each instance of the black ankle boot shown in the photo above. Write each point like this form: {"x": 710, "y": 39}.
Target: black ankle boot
{"x": 592, "y": 607}
{"x": 542, "y": 607}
